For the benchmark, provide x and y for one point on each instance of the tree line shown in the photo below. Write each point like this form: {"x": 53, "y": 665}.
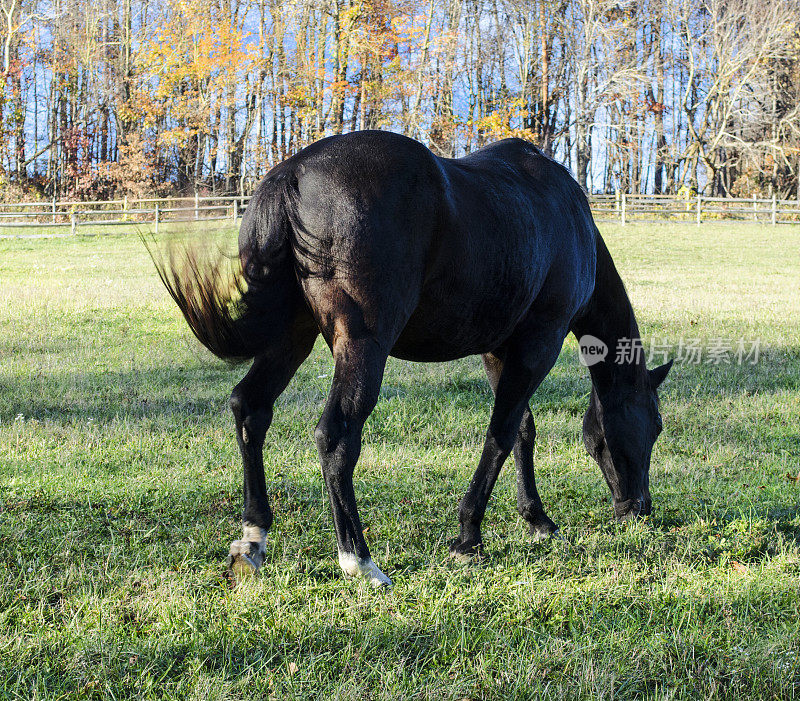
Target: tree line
{"x": 100, "y": 98}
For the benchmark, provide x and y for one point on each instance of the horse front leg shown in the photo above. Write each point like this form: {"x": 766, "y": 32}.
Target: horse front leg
{"x": 359, "y": 366}
{"x": 529, "y": 503}
{"x": 529, "y": 356}
{"x": 252, "y": 403}
{"x": 496, "y": 448}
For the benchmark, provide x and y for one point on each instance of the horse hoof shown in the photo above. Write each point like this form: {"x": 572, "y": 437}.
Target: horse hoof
{"x": 543, "y": 531}
{"x": 241, "y": 567}
{"x": 380, "y": 581}
{"x": 465, "y": 552}
{"x": 353, "y": 567}
{"x": 245, "y": 558}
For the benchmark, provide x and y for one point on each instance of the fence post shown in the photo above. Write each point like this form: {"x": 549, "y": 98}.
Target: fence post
{"x": 235, "y": 210}
{"x": 774, "y": 210}
{"x": 125, "y": 208}
{"x": 157, "y": 218}
{"x": 699, "y": 209}
{"x": 616, "y": 200}
{"x": 54, "y": 210}
{"x": 73, "y": 222}
{"x": 196, "y": 206}
{"x": 624, "y": 207}
{"x": 755, "y": 207}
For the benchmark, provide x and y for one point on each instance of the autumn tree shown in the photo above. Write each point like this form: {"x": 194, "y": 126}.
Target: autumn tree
{"x": 179, "y": 96}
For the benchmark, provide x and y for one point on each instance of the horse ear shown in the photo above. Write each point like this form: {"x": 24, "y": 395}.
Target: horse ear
{"x": 657, "y": 375}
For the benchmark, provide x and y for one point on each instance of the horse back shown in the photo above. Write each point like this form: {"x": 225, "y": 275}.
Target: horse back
{"x": 438, "y": 258}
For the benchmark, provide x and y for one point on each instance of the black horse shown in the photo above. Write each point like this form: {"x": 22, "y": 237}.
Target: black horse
{"x": 385, "y": 249}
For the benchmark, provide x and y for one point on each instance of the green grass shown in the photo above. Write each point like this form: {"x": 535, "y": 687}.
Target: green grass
{"x": 119, "y": 481}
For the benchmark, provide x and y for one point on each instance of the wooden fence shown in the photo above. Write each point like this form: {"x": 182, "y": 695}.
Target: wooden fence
{"x": 697, "y": 208}
{"x": 621, "y": 207}
{"x": 125, "y": 212}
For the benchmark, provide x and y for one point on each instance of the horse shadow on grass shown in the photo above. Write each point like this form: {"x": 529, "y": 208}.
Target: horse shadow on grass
{"x": 167, "y": 392}
{"x": 106, "y": 394}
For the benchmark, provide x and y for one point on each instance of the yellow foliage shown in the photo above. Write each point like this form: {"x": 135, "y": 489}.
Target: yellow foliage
{"x": 499, "y": 124}
{"x": 195, "y": 57}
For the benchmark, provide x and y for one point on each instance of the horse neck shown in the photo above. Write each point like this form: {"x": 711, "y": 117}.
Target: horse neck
{"x": 609, "y": 316}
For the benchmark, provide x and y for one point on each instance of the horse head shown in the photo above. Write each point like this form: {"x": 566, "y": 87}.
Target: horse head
{"x": 620, "y": 428}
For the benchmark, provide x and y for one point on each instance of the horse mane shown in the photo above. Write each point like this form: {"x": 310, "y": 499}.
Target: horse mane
{"x": 610, "y": 317}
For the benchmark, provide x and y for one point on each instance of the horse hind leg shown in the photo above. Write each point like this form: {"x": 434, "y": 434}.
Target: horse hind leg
{"x": 529, "y": 503}
{"x": 251, "y": 403}
{"x": 359, "y": 366}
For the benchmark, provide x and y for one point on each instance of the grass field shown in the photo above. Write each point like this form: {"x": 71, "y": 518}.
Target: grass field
{"x": 119, "y": 481}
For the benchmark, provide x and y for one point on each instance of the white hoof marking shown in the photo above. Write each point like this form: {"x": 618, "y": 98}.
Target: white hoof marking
{"x": 353, "y": 567}
{"x": 252, "y": 535}
{"x": 255, "y": 534}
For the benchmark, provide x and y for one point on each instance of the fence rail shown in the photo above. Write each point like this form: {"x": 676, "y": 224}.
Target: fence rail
{"x": 124, "y": 212}
{"x": 621, "y": 207}
{"x": 627, "y": 208}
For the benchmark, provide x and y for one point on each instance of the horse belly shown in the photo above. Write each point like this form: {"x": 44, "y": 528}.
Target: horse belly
{"x": 446, "y": 326}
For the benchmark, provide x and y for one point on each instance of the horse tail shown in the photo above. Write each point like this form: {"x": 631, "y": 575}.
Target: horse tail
{"x": 233, "y": 304}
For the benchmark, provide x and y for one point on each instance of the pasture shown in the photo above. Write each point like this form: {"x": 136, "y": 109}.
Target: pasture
{"x": 120, "y": 493}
